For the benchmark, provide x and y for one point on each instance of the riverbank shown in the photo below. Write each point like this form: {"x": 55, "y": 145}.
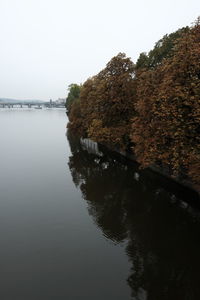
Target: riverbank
{"x": 163, "y": 172}
{"x": 182, "y": 188}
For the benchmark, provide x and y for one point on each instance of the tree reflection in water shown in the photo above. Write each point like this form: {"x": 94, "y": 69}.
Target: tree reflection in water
{"x": 161, "y": 231}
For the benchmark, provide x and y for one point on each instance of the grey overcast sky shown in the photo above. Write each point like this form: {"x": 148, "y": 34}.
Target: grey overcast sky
{"x": 48, "y": 44}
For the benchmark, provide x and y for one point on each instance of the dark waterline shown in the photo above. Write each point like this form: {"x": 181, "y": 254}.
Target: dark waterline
{"x": 77, "y": 222}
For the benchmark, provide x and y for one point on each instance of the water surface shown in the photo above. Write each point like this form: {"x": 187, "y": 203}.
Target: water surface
{"x": 79, "y": 222}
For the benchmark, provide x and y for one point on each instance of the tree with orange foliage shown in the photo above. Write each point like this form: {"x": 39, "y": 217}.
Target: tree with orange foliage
{"x": 166, "y": 129}
{"x": 107, "y": 102}
{"x": 153, "y": 106}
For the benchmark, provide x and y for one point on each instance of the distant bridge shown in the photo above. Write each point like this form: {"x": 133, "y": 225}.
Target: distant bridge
{"x": 50, "y": 104}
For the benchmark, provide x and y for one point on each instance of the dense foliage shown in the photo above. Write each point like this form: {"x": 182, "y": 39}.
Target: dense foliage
{"x": 73, "y": 95}
{"x": 106, "y": 104}
{"x": 167, "y": 127}
{"x": 152, "y": 107}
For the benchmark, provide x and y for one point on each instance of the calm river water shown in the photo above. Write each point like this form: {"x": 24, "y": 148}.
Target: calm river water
{"x": 79, "y": 222}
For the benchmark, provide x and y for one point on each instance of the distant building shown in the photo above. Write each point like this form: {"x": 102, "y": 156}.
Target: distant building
{"x": 60, "y": 101}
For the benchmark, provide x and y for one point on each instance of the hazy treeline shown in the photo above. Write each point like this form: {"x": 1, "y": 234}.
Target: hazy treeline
{"x": 151, "y": 108}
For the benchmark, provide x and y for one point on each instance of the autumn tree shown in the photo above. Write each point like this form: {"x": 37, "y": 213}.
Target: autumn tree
{"x": 89, "y": 98}
{"x": 166, "y": 129}
{"x": 153, "y": 107}
{"x": 108, "y": 106}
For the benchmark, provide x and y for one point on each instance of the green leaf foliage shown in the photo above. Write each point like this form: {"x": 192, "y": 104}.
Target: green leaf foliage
{"x": 73, "y": 95}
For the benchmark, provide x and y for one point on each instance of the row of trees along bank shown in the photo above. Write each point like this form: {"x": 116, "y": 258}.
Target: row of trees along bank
{"x": 151, "y": 108}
